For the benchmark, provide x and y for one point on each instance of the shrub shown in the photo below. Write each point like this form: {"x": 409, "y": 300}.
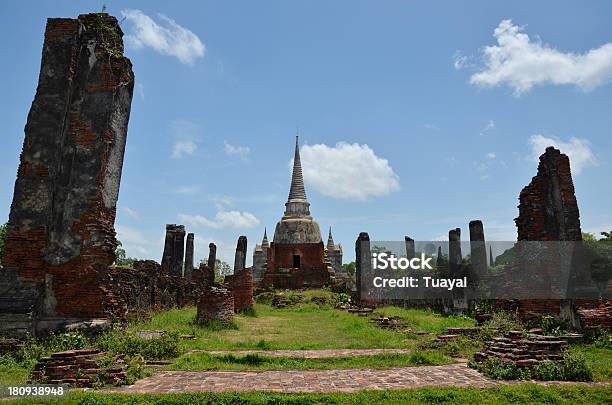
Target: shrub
{"x": 135, "y": 369}
{"x": 65, "y": 341}
{"x": 552, "y": 326}
{"x": 286, "y": 299}
{"x": 128, "y": 343}
{"x": 602, "y": 338}
{"x": 501, "y": 370}
{"x": 501, "y": 322}
{"x": 265, "y": 297}
{"x": 575, "y": 367}
{"x": 548, "y": 370}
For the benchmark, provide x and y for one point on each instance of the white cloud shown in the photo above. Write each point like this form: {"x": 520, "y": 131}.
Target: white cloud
{"x": 169, "y": 38}
{"x": 182, "y": 148}
{"x": 489, "y": 127}
{"x": 433, "y": 127}
{"x": 222, "y": 220}
{"x": 186, "y": 134}
{"x": 490, "y": 155}
{"x": 521, "y": 63}
{"x": 577, "y": 149}
{"x": 131, "y": 213}
{"x": 350, "y": 171}
{"x": 138, "y": 244}
{"x": 240, "y": 151}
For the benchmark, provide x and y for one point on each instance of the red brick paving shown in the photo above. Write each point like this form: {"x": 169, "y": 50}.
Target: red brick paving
{"x": 292, "y": 381}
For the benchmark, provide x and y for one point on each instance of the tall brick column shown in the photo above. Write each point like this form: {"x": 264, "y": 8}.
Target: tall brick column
{"x": 363, "y": 262}
{"x": 454, "y": 250}
{"x": 410, "y": 252}
{"x": 174, "y": 249}
{"x": 189, "y": 255}
{"x": 478, "y": 250}
{"x": 61, "y": 223}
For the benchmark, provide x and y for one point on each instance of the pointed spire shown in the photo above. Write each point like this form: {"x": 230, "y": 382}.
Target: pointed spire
{"x": 264, "y": 242}
{"x": 297, "y": 204}
{"x": 330, "y": 241}
{"x": 297, "y": 191}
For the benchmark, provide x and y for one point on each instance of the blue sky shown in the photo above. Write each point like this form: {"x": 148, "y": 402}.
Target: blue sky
{"x": 414, "y": 118}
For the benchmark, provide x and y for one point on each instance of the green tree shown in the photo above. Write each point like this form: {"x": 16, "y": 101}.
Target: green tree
{"x": 588, "y": 237}
{"x": 607, "y": 237}
{"x": 350, "y": 268}
{"x": 121, "y": 258}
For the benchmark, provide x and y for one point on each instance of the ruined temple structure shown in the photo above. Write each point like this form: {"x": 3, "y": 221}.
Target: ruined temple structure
{"x": 260, "y": 259}
{"x": 454, "y": 250}
{"x": 478, "y": 250}
{"x": 241, "y": 282}
{"x": 188, "y": 269}
{"x": 333, "y": 253}
{"x": 410, "y": 251}
{"x": 548, "y": 210}
{"x": 296, "y": 257}
{"x": 174, "y": 250}
{"x": 61, "y": 235}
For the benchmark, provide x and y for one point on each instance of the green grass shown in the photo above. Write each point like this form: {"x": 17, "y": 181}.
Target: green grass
{"x": 304, "y": 327}
{"x": 600, "y": 360}
{"x": 256, "y": 362}
{"x": 521, "y": 394}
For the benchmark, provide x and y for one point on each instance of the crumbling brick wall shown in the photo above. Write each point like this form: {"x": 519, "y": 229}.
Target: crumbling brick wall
{"x": 548, "y": 210}
{"x": 61, "y": 224}
{"x": 241, "y": 285}
{"x": 147, "y": 288}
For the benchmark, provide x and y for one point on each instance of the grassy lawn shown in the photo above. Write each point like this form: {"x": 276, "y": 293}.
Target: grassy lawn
{"x": 522, "y": 394}
{"x": 305, "y": 327}
{"x": 600, "y": 360}
{"x": 206, "y": 361}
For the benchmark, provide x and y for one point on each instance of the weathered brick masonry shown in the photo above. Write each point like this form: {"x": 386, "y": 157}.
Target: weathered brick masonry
{"x": 61, "y": 225}
{"x": 147, "y": 287}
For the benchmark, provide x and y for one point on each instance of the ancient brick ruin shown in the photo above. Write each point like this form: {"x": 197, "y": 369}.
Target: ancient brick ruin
{"x": 241, "y": 282}
{"x": 216, "y": 304}
{"x": 78, "y": 368}
{"x": 478, "y": 250}
{"x": 524, "y": 350}
{"x": 60, "y": 232}
{"x": 410, "y": 251}
{"x": 296, "y": 257}
{"x": 548, "y": 210}
{"x": 174, "y": 249}
{"x": 188, "y": 269}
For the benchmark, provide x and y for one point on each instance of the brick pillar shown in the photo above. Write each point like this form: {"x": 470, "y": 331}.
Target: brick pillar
{"x": 241, "y": 252}
{"x": 454, "y": 250}
{"x": 179, "y": 251}
{"x": 363, "y": 261}
{"x": 174, "y": 250}
{"x": 61, "y": 223}
{"x": 410, "y": 252}
{"x": 189, "y": 255}
{"x": 478, "y": 250}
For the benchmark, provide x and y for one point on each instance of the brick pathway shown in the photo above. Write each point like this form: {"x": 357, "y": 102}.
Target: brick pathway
{"x": 309, "y": 354}
{"x": 339, "y": 380}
